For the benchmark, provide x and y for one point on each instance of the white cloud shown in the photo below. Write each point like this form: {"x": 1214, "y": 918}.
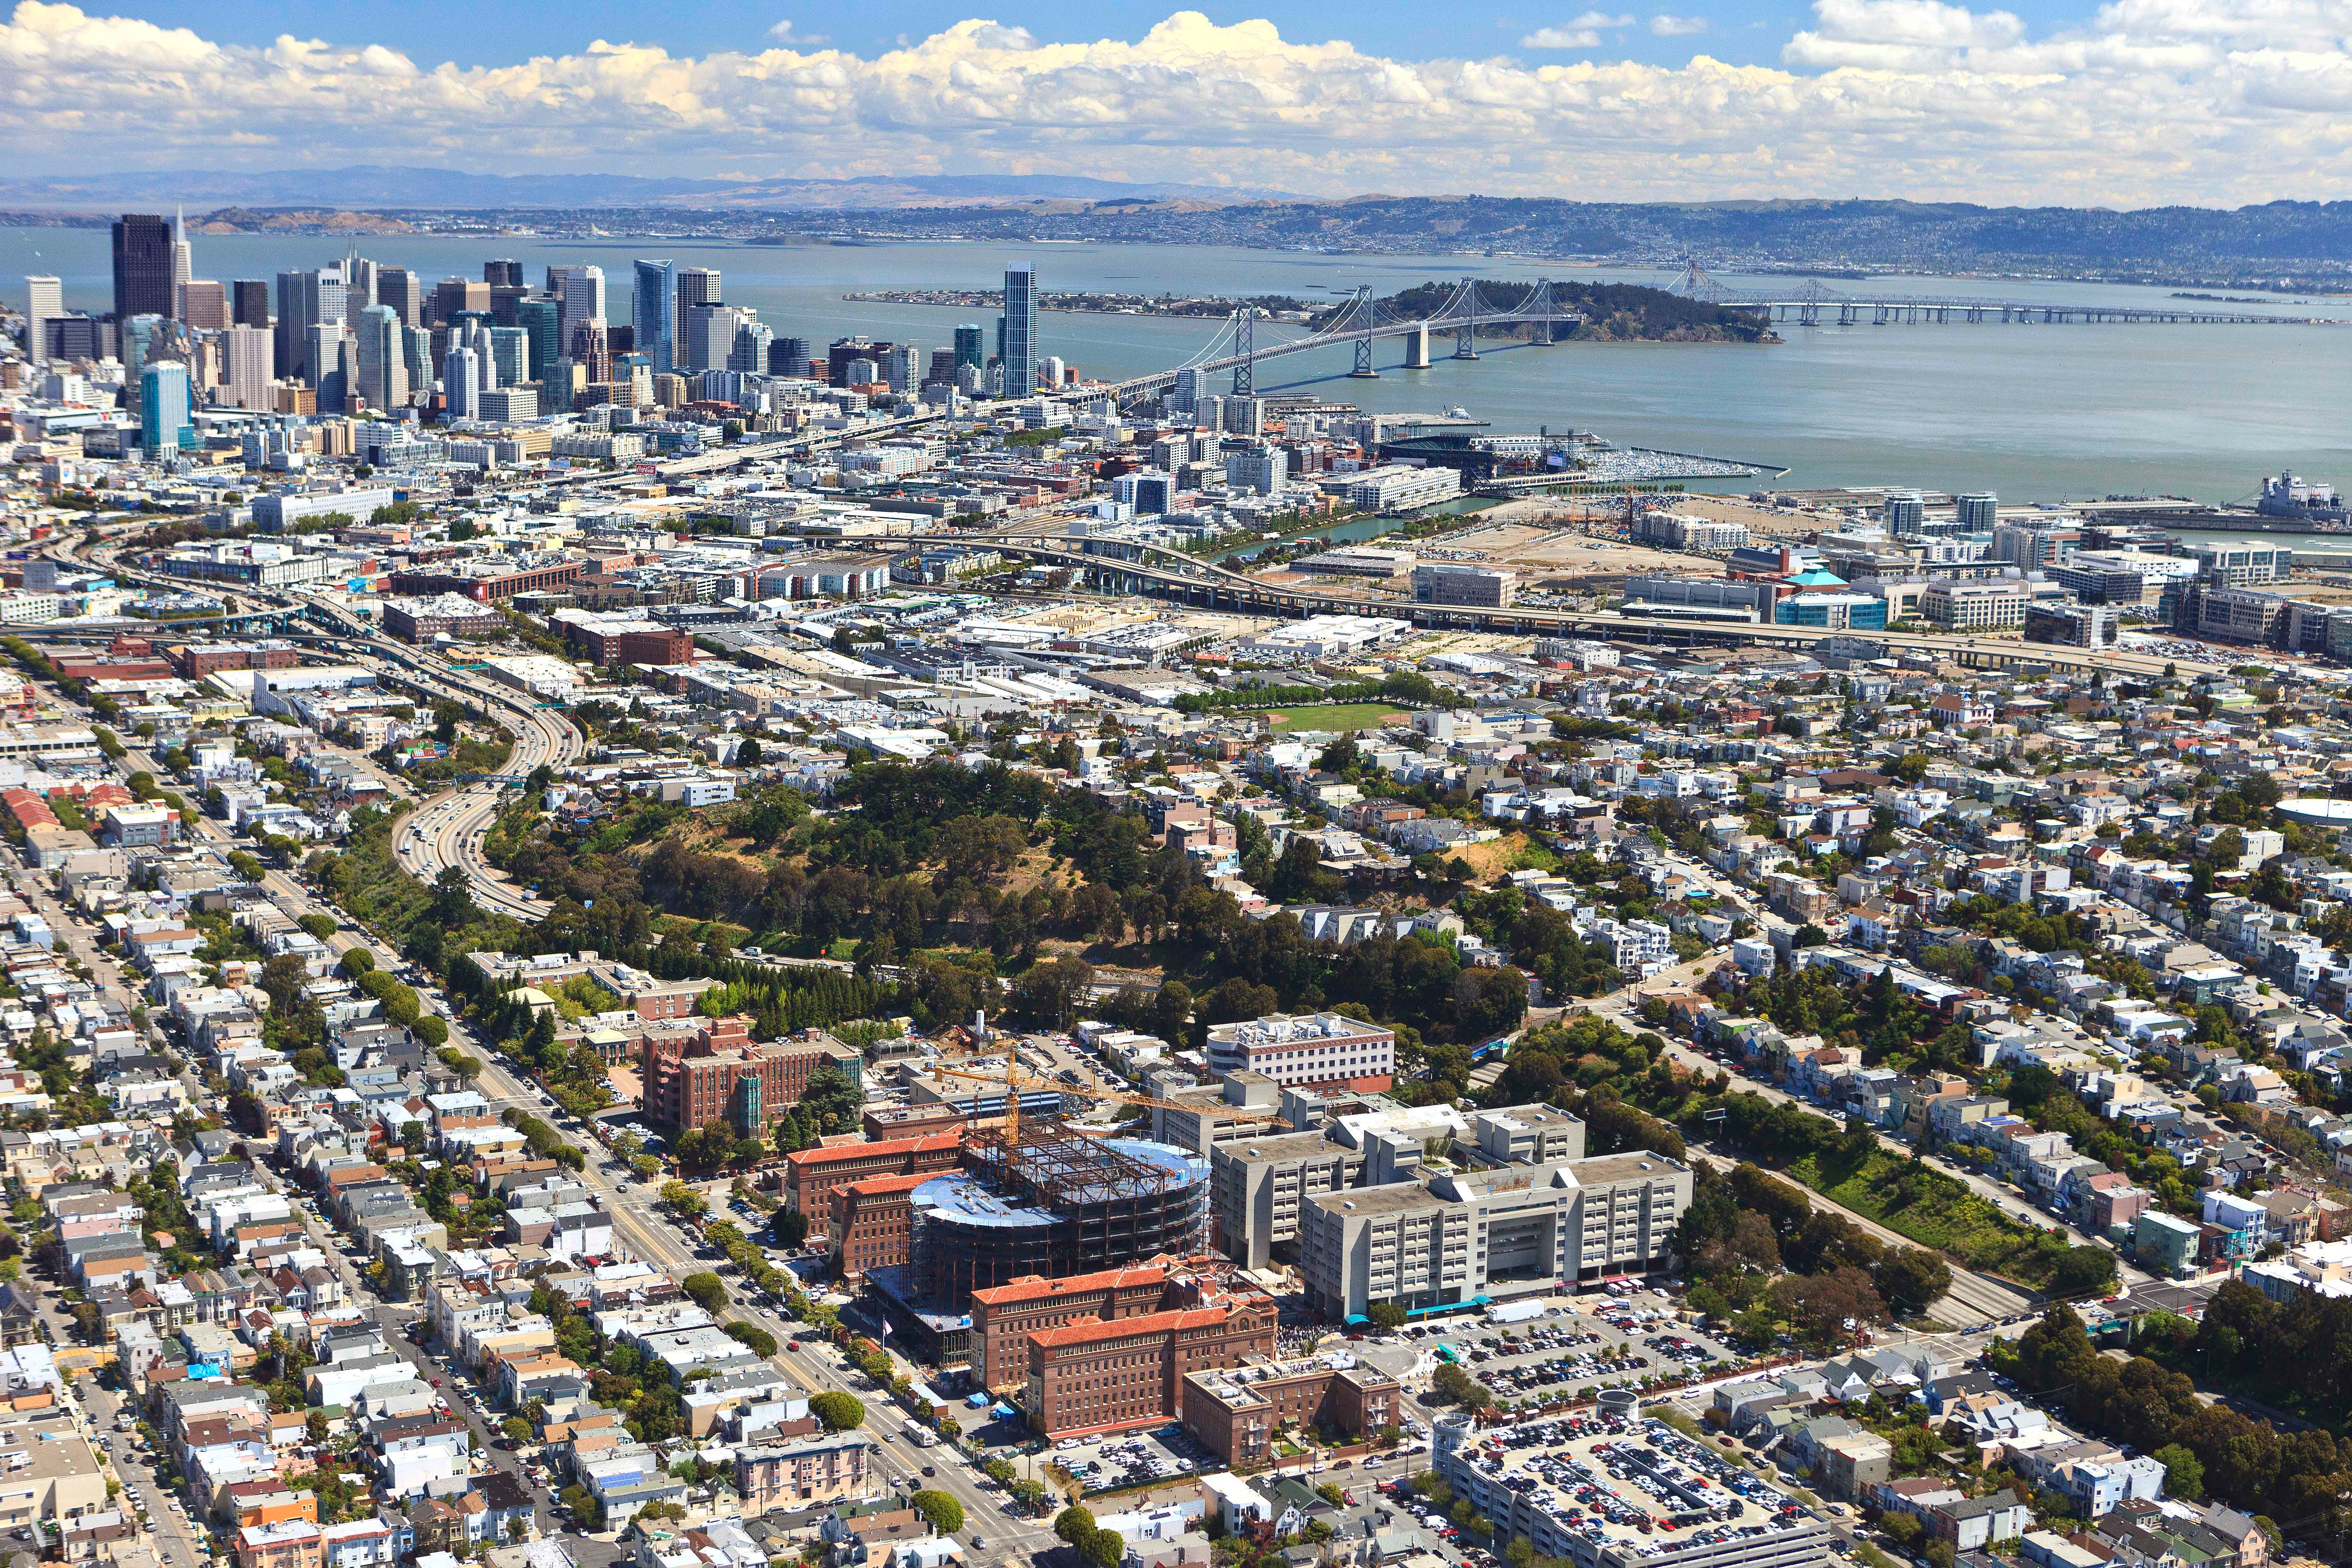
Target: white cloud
{"x": 1584, "y": 33}
{"x": 1677, "y": 26}
{"x": 785, "y": 34}
{"x": 2149, "y": 100}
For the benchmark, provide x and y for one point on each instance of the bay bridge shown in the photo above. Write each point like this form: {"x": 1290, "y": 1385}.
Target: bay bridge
{"x": 1817, "y": 305}
{"x": 1360, "y": 323}
{"x": 1472, "y": 308}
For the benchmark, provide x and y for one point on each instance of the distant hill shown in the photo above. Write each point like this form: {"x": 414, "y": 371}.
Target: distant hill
{"x": 2279, "y": 244}
{"x": 2285, "y": 244}
{"x": 379, "y": 186}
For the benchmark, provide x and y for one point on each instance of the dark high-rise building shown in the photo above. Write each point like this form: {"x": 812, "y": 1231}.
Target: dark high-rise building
{"x": 250, "y": 302}
{"x": 142, "y": 267}
{"x": 788, "y": 356}
{"x": 504, "y": 297}
{"x": 538, "y": 319}
{"x": 969, "y": 348}
{"x": 452, "y": 295}
{"x": 403, "y": 291}
{"x": 697, "y": 286}
{"x": 842, "y": 351}
{"x": 620, "y": 339}
{"x": 506, "y": 273}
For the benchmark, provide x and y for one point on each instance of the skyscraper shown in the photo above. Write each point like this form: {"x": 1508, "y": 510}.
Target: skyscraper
{"x": 656, "y": 312}
{"x": 204, "y": 304}
{"x": 1975, "y": 513}
{"x": 510, "y": 355}
{"x": 383, "y": 360}
{"x": 360, "y": 279}
{"x": 166, "y": 408}
{"x": 749, "y": 351}
{"x": 589, "y": 349}
{"x": 183, "y": 264}
{"x": 696, "y": 286}
{"x": 789, "y": 356}
{"x": 540, "y": 322}
{"x": 495, "y": 273}
{"x": 452, "y": 295}
{"x": 583, "y": 299}
{"x": 44, "y": 300}
{"x": 142, "y": 266}
{"x": 970, "y": 345}
{"x": 899, "y": 366}
{"x": 250, "y": 302}
{"x": 305, "y": 300}
{"x": 709, "y": 337}
{"x": 417, "y": 357}
{"x": 141, "y": 338}
{"x": 246, "y": 359}
{"x": 1020, "y": 331}
{"x": 327, "y": 350}
{"x": 400, "y": 288}
{"x": 461, "y": 393}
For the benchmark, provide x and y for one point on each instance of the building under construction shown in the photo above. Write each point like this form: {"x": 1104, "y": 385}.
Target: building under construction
{"x": 1055, "y": 1202}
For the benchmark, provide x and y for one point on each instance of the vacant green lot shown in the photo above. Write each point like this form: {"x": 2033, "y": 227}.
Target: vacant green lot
{"x": 1935, "y": 1211}
{"x": 1333, "y": 716}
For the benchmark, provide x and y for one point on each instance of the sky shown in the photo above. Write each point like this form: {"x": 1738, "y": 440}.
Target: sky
{"x": 2129, "y": 103}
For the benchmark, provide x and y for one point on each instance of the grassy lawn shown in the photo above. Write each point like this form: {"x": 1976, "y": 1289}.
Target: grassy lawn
{"x": 1335, "y": 716}
{"x": 1934, "y": 1210}
{"x": 665, "y": 924}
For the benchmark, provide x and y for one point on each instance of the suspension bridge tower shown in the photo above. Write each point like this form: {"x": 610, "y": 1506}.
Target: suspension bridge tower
{"x": 1362, "y": 314}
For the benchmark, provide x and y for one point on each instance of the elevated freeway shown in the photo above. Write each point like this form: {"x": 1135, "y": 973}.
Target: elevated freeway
{"x": 446, "y": 829}
{"x": 1215, "y": 588}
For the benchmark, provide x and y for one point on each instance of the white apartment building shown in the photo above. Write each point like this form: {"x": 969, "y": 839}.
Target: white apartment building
{"x": 1319, "y": 1048}
{"x": 1976, "y": 606}
{"x": 1511, "y": 1230}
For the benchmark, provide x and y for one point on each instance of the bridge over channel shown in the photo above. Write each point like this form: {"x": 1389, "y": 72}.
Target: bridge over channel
{"x": 1360, "y": 323}
{"x": 1818, "y": 304}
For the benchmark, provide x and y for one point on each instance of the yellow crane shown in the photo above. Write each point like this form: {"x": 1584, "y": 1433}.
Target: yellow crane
{"x": 1013, "y": 1083}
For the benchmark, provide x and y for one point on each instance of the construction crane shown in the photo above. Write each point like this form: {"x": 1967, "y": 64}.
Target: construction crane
{"x": 1014, "y": 1084}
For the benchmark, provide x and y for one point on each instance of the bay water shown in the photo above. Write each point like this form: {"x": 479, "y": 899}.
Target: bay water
{"x": 2032, "y": 411}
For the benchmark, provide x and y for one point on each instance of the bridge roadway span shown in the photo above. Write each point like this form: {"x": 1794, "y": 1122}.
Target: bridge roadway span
{"x": 1213, "y": 587}
{"x": 1465, "y": 326}
{"x": 1813, "y": 311}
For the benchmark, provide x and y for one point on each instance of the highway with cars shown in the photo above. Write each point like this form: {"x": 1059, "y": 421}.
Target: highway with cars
{"x": 446, "y": 829}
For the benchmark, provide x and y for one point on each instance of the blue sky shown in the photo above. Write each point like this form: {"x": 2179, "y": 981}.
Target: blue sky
{"x": 492, "y": 32}
{"x": 2116, "y": 103}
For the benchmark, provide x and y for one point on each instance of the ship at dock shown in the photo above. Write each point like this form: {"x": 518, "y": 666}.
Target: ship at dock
{"x": 2290, "y": 496}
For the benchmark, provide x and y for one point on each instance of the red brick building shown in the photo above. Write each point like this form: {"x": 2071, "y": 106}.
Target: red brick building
{"x": 85, "y": 667}
{"x": 1091, "y": 1376}
{"x": 812, "y": 1174}
{"x": 1235, "y": 1418}
{"x": 1004, "y": 1316}
{"x": 720, "y": 1074}
{"x": 490, "y": 588}
{"x": 873, "y": 1221}
{"x": 634, "y": 643}
{"x": 196, "y": 660}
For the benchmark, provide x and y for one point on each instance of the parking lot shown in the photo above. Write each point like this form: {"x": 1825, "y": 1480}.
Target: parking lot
{"x": 1130, "y": 1458}
{"x": 1599, "y": 1340}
